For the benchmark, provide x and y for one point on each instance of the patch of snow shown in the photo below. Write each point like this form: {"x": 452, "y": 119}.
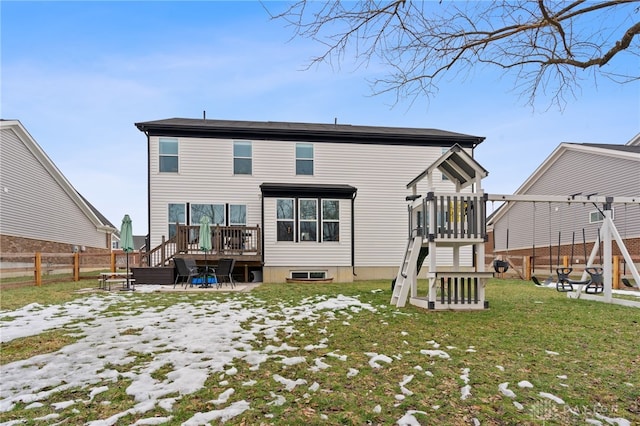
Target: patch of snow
{"x": 614, "y": 421}
{"x": 352, "y": 372}
{"x": 288, "y": 383}
{"x": 377, "y": 409}
{"x": 223, "y": 415}
{"x": 503, "y": 387}
{"x": 552, "y": 352}
{"x": 224, "y": 397}
{"x": 278, "y": 400}
{"x": 437, "y": 353}
{"x": 409, "y": 419}
{"x": 525, "y": 384}
{"x": 518, "y": 406}
{"x": 465, "y": 392}
{"x": 374, "y": 358}
{"x": 551, "y": 397}
{"x": 499, "y": 367}
{"x": 293, "y": 360}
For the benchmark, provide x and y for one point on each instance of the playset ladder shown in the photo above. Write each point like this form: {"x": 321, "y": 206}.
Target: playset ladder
{"x": 408, "y": 270}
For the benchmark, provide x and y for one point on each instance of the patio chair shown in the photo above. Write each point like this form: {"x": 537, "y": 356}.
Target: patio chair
{"x": 224, "y": 272}
{"x": 187, "y": 270}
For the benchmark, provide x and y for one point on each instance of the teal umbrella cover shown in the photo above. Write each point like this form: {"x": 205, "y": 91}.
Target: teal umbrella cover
{"x": 126, "y": 241}
{"x": 205, "y": 245}
{"x": 205, "y": 234}
{"x": 126, "y": 235}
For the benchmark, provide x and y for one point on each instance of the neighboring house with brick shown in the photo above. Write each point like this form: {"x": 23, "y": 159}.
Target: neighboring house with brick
{"x": 572, "y": 168}
{"x": 39, "y": 208}
{"x": 311, "y": 201}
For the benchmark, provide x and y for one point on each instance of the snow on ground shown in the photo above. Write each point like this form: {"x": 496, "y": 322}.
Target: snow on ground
{"x": 191, "y": 341}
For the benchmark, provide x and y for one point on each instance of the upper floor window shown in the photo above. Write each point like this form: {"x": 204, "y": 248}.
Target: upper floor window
{"x": 304, "y": 159}
{"x": 168, "y": 155}
{"x": 242, "y": 158}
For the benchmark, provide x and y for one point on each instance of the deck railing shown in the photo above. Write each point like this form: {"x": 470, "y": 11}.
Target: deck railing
{"x": 236, "y": 241}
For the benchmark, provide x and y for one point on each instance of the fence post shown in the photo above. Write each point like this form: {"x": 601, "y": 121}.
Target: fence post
{"x": 38, "y": 269}
{"x": 527, "y": 267}
{"x": 616, "y": 272}
{"x": 76, "y": 266}
{"x": 113, "y": 261}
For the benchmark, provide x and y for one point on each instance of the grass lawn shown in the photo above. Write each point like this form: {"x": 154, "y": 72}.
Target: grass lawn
{"x": 315, "y": 354}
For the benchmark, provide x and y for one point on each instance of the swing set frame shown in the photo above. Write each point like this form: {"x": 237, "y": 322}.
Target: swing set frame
{"x": 608, "y": 233}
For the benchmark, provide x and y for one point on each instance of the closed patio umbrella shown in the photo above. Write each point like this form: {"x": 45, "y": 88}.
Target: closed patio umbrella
{"x": 205, "y": 245}
{"x": 126, "y": 242}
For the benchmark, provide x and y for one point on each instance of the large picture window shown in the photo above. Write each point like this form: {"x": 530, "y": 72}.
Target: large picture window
{"x": 215, "y": 213}
{"x": 176, "y": 214}
{"x": 285, "y": 219}
{"x": 242, "y": 158}
{"x": 304, "y": 159}
{"x": 168, "y": 149}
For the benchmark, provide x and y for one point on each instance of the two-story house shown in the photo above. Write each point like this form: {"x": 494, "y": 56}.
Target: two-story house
{"x": 295, "y": 200}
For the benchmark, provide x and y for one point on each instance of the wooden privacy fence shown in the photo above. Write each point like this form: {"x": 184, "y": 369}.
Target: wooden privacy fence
{"x": 48, "y": 267}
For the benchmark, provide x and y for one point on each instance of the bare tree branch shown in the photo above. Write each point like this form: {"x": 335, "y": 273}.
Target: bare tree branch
{"x": 547, "y": 47}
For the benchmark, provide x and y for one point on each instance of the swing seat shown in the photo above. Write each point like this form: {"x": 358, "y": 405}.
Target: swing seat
{"x": 627, "y": 283}
{"x": 564, "y": 283}
{"x": 596, "y": 283}
{"x": 500, "y": 266}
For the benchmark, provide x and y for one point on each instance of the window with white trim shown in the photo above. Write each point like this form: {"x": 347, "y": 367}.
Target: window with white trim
{"x": 304, "y": 159}
{"x": 308, "y": 213}
{"x": 306, "y": 275}
{"x": 238, "y": 214}
{"x": 285, "y": 219}
{"x": 215, "y": 213}
{"x": 242, "y": 158}
{"x": 330, "y": 220}
{"x": 176, "y": 214}
{"x": 168, "y": 159}
{"x": 597, "y": 217}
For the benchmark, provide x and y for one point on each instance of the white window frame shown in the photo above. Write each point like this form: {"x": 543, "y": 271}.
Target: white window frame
{"x": 161, "y": 141}
{"x": 596, "y": 217}
{"x": 305, "y": 159}
{"x": 239, "y": 157}
{"x": 306, "y": 275}
{"x": 302, "y": 220}
{"x": 292, "y": 219}
{"x": 324, "y": 220}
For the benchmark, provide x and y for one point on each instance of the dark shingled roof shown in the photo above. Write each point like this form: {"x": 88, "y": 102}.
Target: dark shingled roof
{"x": 308, "y": 132}
{"x": 623, "y": 148}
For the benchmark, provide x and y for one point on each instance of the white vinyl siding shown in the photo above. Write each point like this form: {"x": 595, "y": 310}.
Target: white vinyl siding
{"x": 36, "y": 203}
{"x": 572, "y": 172}
{"x": 379, "y": 172}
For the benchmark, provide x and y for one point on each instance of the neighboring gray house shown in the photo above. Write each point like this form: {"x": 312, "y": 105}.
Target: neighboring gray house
{"x": 314, "y": 201}
{"x": 572, "y": 168}
{"x": 39, "y": 208}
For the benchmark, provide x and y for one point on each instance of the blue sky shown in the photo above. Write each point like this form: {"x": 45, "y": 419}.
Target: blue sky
{"x": 78, "y": 75}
